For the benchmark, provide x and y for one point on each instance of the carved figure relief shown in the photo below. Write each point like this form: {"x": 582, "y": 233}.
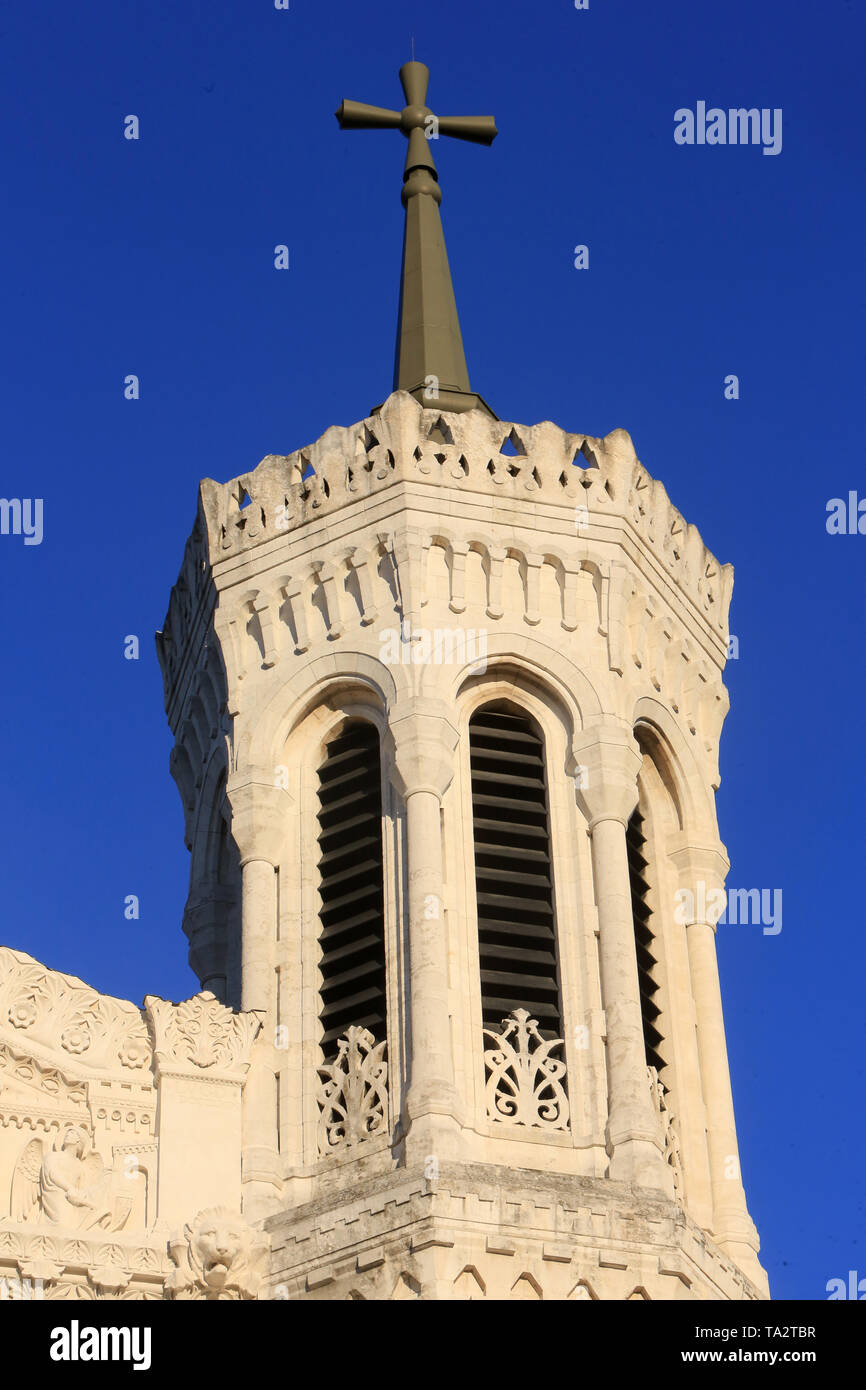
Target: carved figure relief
{"x": 67, "y": 1185}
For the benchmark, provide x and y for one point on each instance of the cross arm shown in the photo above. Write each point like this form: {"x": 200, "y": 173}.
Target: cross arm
{"x": 357, "y": 115}
{"x": 481, "y": 130}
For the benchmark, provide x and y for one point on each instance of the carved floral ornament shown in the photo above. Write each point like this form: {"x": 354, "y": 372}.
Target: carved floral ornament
{"x": 216, "y": 1257}
{"x": 202, "y": 1034}
{"x": 353, "y": 1096}
{"x": 62, "y": 1013}
{"x": 53, "y": 1009}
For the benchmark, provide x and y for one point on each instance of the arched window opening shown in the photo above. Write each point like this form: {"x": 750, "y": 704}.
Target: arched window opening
{"x": 352, "y": 937}
{"x": 513, "y": 874}
{"x": 645, "y": 942}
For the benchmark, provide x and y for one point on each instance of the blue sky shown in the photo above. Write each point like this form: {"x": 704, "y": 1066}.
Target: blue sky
{"x": 155, "y": 257}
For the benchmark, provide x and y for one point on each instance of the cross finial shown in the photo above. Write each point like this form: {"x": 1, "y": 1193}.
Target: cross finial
{"x": 429, "y": 361}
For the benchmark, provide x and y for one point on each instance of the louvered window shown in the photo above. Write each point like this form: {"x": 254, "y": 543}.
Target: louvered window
{"x": 514, "y": 888}
{"x": 647, "y": 959}
{"x": 352, "y": 935}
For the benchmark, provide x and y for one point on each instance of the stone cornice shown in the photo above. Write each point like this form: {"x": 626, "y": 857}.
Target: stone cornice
{"x": 599, "y": 486}
{"x": 403, "y": 443}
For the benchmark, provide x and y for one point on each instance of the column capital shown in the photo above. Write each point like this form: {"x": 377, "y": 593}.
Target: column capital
{"x": 702, "y": 866}
{"x": 697, "y": 858}
{"x": 605, "y": 761}
{"x": 423, "y": 739}
{"x": 258, "y": 816}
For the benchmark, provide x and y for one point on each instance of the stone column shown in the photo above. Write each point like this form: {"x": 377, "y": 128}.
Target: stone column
{"x": 607, "y": 761}
{"x": 424, "y": 741}
{"x": 259, "y": 818}
{"x": 206, "y": 922}
{"x": 702, "y": 874}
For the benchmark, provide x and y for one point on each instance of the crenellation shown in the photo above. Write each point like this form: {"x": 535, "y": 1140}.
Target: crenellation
{"x": 350, "y": 466}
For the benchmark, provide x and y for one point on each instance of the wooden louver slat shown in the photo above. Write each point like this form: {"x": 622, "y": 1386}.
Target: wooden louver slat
{"x": 513, "y": 879}
{"x": 352, "y": 938}
{"x": 644, "y": 941}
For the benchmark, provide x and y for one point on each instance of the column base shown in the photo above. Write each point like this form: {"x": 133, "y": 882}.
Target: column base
{"x": 639, "y": 1161}
{"x": 431, "y": 1121}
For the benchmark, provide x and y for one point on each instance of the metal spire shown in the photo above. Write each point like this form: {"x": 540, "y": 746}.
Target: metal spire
{"x": 429, "y": 357}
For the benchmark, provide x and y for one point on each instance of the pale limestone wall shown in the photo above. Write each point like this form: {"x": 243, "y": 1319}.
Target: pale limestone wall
{"x": 119, "y": 1128}
{"x": 579, "y": 592}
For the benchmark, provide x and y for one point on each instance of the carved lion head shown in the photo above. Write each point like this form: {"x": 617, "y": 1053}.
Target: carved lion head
{"x": 219, "y": 1242}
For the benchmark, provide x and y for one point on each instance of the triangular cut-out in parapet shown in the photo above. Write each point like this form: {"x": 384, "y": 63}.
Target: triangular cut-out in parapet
{"x": 244, "y": 499}
{"x": 512, "y": 446}
{"x": 584, "y": 457}
{"x": 440, "y": 433}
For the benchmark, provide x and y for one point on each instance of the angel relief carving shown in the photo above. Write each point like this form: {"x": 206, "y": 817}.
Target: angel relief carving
{"x": 67, "y": 1185}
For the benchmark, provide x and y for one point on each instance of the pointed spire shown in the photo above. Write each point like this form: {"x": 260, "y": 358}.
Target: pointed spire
{"x": 429, "y": 361}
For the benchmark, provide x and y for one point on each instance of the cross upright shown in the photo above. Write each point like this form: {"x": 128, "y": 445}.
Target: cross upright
{"x": 429, "y": 361}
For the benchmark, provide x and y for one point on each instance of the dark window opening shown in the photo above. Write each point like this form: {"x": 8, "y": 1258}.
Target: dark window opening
{"x": 644, "y": 938}
{"x": 352, "y": 916}
{"x": 513, "y": 877}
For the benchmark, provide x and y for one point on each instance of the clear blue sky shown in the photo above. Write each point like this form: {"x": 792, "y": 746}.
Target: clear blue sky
{"x": 156, "y": 258}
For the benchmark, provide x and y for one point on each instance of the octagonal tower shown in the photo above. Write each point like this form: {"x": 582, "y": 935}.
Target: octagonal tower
{"x": 447, "y": 696}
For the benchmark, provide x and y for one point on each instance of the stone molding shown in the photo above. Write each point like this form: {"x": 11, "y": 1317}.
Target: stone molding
{"x": 563, "y": 1233}
{"x": 405, "y": 443}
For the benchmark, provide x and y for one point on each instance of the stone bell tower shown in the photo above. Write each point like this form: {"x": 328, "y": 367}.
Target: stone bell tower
{"x": 447, "y": 696}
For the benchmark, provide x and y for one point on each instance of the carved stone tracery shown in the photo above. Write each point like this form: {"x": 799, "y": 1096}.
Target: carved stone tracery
{"x": 201, "y": 1034}
{"x": 671, "y": 1142}
{"x": 353, "y": 1096}
{"x": 47, "y": 1007}
{"x": 524, "y": 1080}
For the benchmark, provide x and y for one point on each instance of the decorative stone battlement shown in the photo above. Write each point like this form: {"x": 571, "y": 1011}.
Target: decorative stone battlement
{"x": 405, "y": 443}
{"x": 600, "y": 483}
